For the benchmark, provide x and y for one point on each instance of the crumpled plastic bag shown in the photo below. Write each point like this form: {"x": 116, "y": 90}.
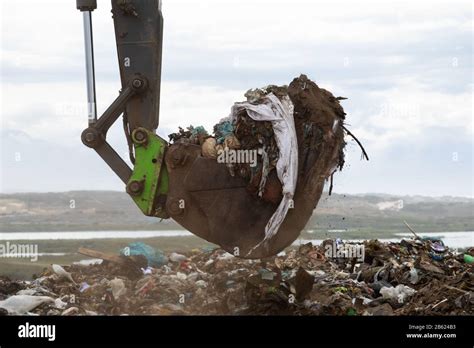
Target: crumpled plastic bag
{"x": 400, "y": 293}
{"x": 280, "y": 114}
{"x": 155, "y": 257}
{"x": 21, "y": 304}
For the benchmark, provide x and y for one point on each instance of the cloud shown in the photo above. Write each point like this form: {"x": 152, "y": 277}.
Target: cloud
{"x": 405, "y": 66}
{"x": 407, "y": 110}
{"x": 432, "y": 164}
{"x": 57, "y": 112}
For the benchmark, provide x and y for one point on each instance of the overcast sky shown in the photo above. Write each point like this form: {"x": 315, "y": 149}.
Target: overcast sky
{"x": 406, "y": 68}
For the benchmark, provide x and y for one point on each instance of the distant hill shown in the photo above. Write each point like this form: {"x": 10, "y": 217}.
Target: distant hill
{"x": 380, "y": 213}
{"x": 110, "y": 210}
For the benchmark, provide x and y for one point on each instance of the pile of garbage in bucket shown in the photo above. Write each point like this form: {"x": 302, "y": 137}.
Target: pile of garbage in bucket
{"x": 410, "y": 277}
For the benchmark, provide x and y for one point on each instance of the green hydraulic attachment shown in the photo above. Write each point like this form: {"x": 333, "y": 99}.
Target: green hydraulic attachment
{"x": 148, "y": 184}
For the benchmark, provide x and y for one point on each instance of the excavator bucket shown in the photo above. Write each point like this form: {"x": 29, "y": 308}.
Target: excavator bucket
{"x": 207, "y": 200}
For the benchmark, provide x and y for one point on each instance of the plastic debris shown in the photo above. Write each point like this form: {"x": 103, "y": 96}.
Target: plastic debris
{"x": 175, "y": 257}
{"x": 155, "y": 258}
{"x": 62, "y": 273}
{"x": 21, "y": 304}
{"x": 414, "y": 276}
{"x": 147, "y": 270}
{"x": 438, "y": 246}
{"x": 351, "y": 312}
{"x": 223, "y": 129}
{"x": 30, "y": 292}
{"x": 400, "y": 292}
{"x": 468, "y": 258}
{"x": 201, "y": 283}
{"x": 118, "y": 288}
{"x": 88, "y": 262}
{"x": 279, "y": 112}
{"x": 84, "y": 286}
{"x": 199, "y": 133}
{"x": 193, "y": 135}
{"x": 437, "y": 257}
{"x": 266, "y": 274}
{"x": 181, "y": 276}
{"x": 60, "y": 304}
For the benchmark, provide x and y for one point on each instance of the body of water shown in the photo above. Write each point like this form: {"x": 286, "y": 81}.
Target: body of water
{"x": 78, "y": 235}
{"x": 459, "y": 239}
{"x": 451, "y": 239}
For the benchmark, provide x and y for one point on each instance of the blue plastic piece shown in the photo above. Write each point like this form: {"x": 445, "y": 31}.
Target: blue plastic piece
{"x": 436, "y": 257}
{"x": 155, "y": 257}
{"x": 198, "y": 130}
{"x": 222, "y": 130}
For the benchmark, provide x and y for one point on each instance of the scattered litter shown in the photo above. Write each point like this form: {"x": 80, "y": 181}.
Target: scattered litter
{"x": 393, "y": 279}
{"x": 147, "y": 270}
{"x": 88, "y": 262}
{"x": 436, "y": 256}
{"x": 21, "y": 304}
{"x": 175, "y": 257}
{"x": 468, "y": 258}
{"x": 155, "y": 258}
{"x": 414, "y": 276}
{"x": 62, "y": 273}
{"x": 201, "y": 284}
{"x": 118, "y": 288}
{"x": 400, "y": 292}
{"x": 438, "y": 246}
{"x": 351, "y": 312}
{"x": 29, "y": 292}
{"x": 60, "y": 304}
{"x": 266, "y": 274}
{"x": 181, "y": 276}
{"x": 84, "y": 286}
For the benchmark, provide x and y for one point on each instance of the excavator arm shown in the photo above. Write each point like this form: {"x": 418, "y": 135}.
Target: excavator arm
{"x": 139, "y": 36}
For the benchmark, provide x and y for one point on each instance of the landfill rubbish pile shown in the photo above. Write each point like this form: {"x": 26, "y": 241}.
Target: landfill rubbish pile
{"x": 412, "y": 277}
{"x": 250, "y": 127}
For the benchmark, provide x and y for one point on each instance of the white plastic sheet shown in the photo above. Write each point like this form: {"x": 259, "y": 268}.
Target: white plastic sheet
{"x": 280, "y": 114}
{"x": 21, "y": 304}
